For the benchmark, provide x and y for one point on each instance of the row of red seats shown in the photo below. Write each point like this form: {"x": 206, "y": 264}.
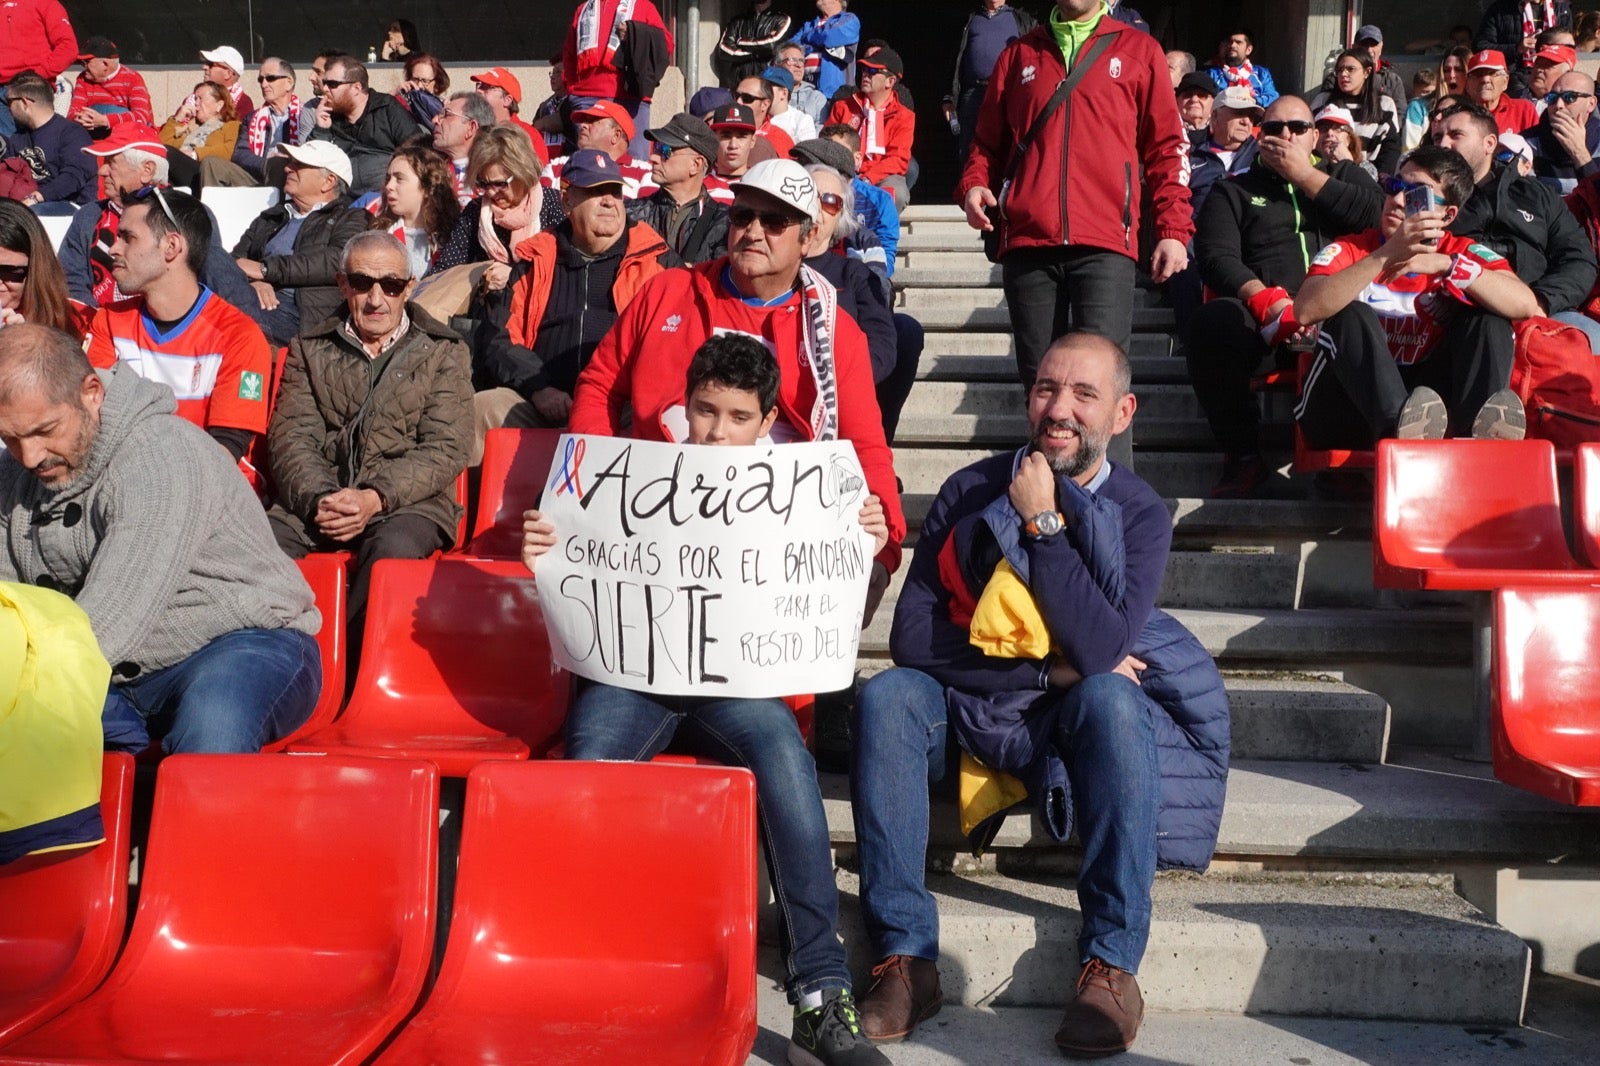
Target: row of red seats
{"x": 287, "y": 916}
{"x": 1485, "y": 516}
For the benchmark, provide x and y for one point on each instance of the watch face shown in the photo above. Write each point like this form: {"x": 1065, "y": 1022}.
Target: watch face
{"x": 1048, "y": 523}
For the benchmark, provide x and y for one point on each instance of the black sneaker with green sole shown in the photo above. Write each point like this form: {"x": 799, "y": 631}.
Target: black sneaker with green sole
{"x": 831, "y": 1035}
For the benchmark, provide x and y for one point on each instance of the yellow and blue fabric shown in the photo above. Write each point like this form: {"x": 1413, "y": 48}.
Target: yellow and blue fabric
{"x": 53, "y": 683}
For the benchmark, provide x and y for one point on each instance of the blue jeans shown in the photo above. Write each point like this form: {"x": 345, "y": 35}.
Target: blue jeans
{"x": 244, "y": 689}
{"x": 1579, "y": 320}
{"x": 761, "y": 735}
{"x": 903, "y": 744}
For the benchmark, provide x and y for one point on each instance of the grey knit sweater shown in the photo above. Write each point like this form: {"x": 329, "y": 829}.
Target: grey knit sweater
{"x": 160, "y": 540}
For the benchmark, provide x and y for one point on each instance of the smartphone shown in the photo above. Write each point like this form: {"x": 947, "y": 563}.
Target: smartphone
{"x": 1421, "y": 198}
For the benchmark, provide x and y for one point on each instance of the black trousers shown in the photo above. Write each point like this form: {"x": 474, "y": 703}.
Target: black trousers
{"x": 1353, "y": 394}
{"x": 1223, "y": 349}
{"x": 896, "y": 384}
{"x": 398, "y": 536}
{"x": 1054, "y": 291}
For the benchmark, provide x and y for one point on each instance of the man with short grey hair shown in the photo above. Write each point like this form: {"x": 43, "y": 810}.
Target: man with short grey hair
{"x": 275, "y": 122}
{"x": 455, "y": 128}
{"x": 109, "y": 497}
{"x": 373, "y": 425}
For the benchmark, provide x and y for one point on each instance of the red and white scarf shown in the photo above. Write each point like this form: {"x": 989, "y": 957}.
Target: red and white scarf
{"x": 261, "y": 122}
{"x": 1531, "y": 28}
{"x": 822, "y": 315}
{"x": 1239, "y": 75}
{"x": 589, "y": 27}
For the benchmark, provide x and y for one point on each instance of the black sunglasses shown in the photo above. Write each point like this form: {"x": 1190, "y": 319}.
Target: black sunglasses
{"x": 748, "y": 98}
{"x": 329, "y": 83}
{"x": 264, "y": 78}
{"x": 1566, "y": 96}
{"x": 1277, "y": 126}
{"x": 365, "y": 282}
{"x": 16, "y": 275}
{"x": 771, "y": 221}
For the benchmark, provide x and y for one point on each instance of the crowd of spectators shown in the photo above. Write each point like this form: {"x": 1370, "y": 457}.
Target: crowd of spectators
{"x": 437, "y": 265}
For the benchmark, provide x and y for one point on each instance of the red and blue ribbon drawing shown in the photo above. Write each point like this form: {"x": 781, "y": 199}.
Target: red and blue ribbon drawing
{"x": 567, "y": 477}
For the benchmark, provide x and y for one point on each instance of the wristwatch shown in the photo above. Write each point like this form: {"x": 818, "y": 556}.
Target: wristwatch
{"x": 1044, "y": 524}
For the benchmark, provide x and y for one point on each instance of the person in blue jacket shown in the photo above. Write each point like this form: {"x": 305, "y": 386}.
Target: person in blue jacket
{"x": 1113, "y": 713}
{"x": 1234, "y": 67}
{"x": 830, "y": 42}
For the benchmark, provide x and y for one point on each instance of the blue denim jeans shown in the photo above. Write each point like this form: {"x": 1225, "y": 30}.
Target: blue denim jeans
{"x": 903, "y": 744}
{"x": 761, "y": 735}
{"x": 242, "y": 690}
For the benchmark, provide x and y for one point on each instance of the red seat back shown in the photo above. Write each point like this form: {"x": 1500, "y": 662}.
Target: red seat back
{"x": 455, "y": 649}
{"x": 516, "y": 463}
{"x": 1546, "y": 718}
{"x": 62, "y": 915}
{"x": 1463, "y": 514}
{"x": 1586, "y": 502}
{"x": 286, "y": 916}
{"x": 324, "y": 572}
{"x": 642, "y": 935}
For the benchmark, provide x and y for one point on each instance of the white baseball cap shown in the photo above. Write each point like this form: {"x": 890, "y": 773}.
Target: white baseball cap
{"x": 1336, "y": 115}
{"x": 324, "y": 154}
{"x": 227, "y": 55}
{"x": 786, "y": 181}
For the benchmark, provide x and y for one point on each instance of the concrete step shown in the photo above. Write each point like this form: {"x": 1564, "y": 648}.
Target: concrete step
{"x": 917, "y": 302}
{"x": 1305, "y": 719}
{"x": 946, "y": 270}
{"x": 942, "y": 234}
{"x": 932, "y": 213}
{"x": 989, "y": 357}
{"x": 1230, "y": 579}
{"x": 1173, "y": 474}
{"x": 1345, "y": 950}
{"x": 1562, "y": 1019}
{"x": 962, "y": 413}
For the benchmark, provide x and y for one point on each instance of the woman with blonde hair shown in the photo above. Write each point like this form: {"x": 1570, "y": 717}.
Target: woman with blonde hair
{"x": 504, "y": 173}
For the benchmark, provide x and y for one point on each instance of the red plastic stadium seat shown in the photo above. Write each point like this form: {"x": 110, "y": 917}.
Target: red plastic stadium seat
{"x": 604, "y": 913}
{"x": 62, "y": 915}
{"x": 1546, "y": 716}
{"x": 1469, "y": 515}
{"x": 324, "y": 572}
{"x": 456, "y": 668}
{"x": 1586, "y": 502}
{"x": 516, "y": 463}
{"x": 286, "y": 917}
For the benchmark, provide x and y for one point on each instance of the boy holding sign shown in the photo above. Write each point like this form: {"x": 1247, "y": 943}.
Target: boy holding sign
{"x": 731, "y": 398}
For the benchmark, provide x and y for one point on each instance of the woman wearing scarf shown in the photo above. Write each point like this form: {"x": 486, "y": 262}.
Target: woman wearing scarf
{"x": 504, "y": 172}
{"x": 208, "y": 130}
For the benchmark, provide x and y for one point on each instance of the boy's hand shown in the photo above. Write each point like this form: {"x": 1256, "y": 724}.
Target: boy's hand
{"x": 538, "y": 537}
{"x": 874, "y": 522}
{"x": 877, "y": 585}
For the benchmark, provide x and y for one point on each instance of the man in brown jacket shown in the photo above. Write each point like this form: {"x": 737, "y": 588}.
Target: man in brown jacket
{"x": 372, "y": 426}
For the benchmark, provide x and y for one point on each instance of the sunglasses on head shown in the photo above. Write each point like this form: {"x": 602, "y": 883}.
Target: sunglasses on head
{"x": 1277, "y": 127}
{"x": 832, "y": 202}
{"x": 16, "y": 275}
{"x": 1566, "y": 96}
{"x": 748, "y": 98}
{"x": 154, "y": 192}
{"x": 771, "y": 221}
{"x": 364, "y": 282}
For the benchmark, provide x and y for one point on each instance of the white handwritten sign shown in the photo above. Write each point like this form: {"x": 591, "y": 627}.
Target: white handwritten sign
{"x": 708, "y": 571}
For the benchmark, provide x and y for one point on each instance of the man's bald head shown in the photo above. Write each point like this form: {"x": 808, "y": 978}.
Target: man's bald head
{"x": 1121, "y": 368}
{"x": 1576, "y": 81}
{"x": 41, "y": 362}
{"x": 1288, "y": 109}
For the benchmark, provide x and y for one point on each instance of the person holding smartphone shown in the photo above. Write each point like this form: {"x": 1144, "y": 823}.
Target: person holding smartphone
{"x": 1414, "y": 321}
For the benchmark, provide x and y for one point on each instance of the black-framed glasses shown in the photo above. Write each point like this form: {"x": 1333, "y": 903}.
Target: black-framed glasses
{"x": 771, "y": 221}
{"x": 831, "y": 202}
{"x": 1566, "y": 96}
{"x": 485, "y": 185}
{"x": 391, "y": 286}
{"x": 264, "y": 78}
{"x": 154, "y": 192}
{"x": 748, "y": 98}
{"x": 16, "y": 275}
{"x": 1277, "y": 127}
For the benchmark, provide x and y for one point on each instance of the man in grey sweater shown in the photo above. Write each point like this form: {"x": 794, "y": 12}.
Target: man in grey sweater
{"x": 145, "y": 521}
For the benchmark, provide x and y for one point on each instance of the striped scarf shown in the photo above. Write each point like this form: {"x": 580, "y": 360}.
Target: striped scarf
{"x": 261, "y": 122}
{"x": 589, "y": 27}
{"x": 1239, "y": 75}
{"x": 822, "y": 315}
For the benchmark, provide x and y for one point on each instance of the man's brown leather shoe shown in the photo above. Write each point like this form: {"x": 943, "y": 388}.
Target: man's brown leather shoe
{"x": 1104, "y": 1017}
{"x": 905, "y": 993}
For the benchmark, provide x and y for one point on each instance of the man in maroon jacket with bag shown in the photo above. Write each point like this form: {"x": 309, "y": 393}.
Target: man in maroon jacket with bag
{"x": 1069, "y": 204}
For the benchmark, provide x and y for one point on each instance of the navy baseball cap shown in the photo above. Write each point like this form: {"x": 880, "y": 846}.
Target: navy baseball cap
{"x": 589, "y": 168}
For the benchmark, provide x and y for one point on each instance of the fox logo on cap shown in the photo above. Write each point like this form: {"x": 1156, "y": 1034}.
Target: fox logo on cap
{"x": 796, "y": 187}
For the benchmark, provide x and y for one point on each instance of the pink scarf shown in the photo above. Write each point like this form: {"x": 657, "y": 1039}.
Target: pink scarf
{"x": 522, "y": 220}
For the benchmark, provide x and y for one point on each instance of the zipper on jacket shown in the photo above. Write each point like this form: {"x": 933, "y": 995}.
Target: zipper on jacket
{"x": 1305, "y": 253}
{"x": 1127, "y": 205}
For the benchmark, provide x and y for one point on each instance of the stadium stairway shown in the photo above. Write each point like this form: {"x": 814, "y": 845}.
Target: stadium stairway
{"x": 1363, "y": 864}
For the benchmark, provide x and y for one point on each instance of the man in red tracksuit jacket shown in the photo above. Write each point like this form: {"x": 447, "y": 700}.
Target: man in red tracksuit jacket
{"x": 35, "y": 35}
{"x": 763, "y": 289}
{"x": 590, "y": 62}
{"x": 1069, "y": 233}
